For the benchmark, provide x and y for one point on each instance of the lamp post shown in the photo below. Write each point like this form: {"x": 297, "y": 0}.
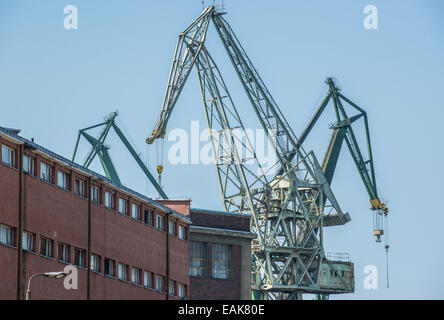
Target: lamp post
{"x": 52, "y": 275}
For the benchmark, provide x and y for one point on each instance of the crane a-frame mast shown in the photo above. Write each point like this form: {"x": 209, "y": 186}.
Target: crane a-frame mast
{"x": 98, "y": 148}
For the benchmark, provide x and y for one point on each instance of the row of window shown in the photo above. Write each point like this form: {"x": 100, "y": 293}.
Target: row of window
{"x": 46, "y": 249}
{"x": 336, "y": 273}
{"x": 150, "y": 280}
{"x": 136, "y": 213}
{"x": 46, "y": 174}
{"x": 218, "y": 254}
{"x": 147, "y": 218}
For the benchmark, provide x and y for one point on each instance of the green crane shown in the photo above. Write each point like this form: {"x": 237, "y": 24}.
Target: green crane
{"x": 101, "y": 150}
{"x": 343, "y": 131}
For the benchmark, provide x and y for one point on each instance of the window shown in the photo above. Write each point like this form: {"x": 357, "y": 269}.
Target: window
{"x": 123, "y": 206}
{"x": 7, "y": 235}
{"x": 337, "y": 273}
{"x": 28, "y": 241}
{"x": 221, "y": 260}
{"x": 182, "y": 232}
{"x": 95, "y": 194}
{"x": 63, "y": 252}
{"x": 181, "y": 290}
{"x": 62, "y": 180}
{"x": 80, "y": 257}
{"x": 8, "y": 156}
{"x": 109, "y": 200}
{"x": 135, "y": 211}
{"x": 46, "y": 247}
{"x": 172, "y": 227}
{"x": 159, "y": 283}
{"x": 148, "y": 279}
{"x": 122, "y": 272}
{"x": 197, "y": 259}
{"x": 148, "y": 217}
{"x": 172, "y": 288}
{"x": 135, "y": 276}
{"x": 109, "y": 267}
{"x": 95, "y": 263}
{"x": 79, "y": 187}
{"x": 28, "y": 165}
{"x": 45, "y": 172}
{"x": 160, "y": 223}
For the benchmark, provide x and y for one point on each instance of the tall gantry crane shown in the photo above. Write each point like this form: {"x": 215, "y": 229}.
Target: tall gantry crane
{"x": 289, "y": 208}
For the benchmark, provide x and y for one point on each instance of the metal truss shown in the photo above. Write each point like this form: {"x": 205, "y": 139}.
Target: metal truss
{"x": 288, "y": 209}
{"x": 98, "y": 148}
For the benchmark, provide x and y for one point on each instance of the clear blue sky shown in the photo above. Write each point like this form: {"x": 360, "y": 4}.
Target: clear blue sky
{"x": 54, "y": 82}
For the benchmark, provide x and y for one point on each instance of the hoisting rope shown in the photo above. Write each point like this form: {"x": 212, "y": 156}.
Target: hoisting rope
{"x": 387, "y": 246}
{"x": 147, "y": 181}
{"x": 160, "y": 146}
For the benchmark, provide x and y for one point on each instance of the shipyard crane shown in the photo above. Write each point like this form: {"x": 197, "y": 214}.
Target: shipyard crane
{"x": 343, "y": 131}
{"x": 100, "y": 149}
{"x": 288, "y": 210}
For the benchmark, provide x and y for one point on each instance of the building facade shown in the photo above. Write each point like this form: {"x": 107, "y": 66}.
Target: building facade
{"x": 220, "y": 253}
{"x": 55, "y": 213}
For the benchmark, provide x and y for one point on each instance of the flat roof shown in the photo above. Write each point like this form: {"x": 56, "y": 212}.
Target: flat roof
{"x": 227, "y": 232}
{"x": 247, "y": 214}
{"x": 11, "y": 133}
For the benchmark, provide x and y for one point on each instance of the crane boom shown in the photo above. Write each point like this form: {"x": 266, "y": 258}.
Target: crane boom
{"x": 188, "y": 46}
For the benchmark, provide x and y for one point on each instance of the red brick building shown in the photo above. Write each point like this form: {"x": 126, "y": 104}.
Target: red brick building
{"x": 54, "y": 212}
{"x": 220, "y": 253}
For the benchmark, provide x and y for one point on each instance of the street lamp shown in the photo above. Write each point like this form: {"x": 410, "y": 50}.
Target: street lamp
{"x": 52, "y": 275}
